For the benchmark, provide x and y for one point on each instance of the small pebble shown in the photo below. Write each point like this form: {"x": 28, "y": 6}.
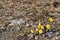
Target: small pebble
{"x": 36, "y": 37}
{"x": 27, "y": 24}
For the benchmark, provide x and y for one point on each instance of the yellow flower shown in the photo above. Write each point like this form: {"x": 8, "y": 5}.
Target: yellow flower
{"x": 51, "y": 19}
{"x": 37, "y": 29}
{"x": 39, "y": 25}
{"x": 32, "y": 31}
{"x": 40, "y": 31}
{"x": 48, "y": 26}
{"x": 42, "y": 27}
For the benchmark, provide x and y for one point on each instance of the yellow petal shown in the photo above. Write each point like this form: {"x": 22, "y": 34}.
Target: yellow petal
{"x": 32, "y": 31}
{"x": 37, "y": 29}
{"x": 39, "y": 25}
{"x": 42, "y": 27}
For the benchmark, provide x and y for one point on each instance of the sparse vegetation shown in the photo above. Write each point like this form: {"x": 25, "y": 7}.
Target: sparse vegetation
{"x": 29, "y": 19}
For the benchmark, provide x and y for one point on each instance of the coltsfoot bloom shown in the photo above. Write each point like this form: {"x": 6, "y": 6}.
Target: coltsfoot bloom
{"x": 32, "y": 31}
{"x": 39, "y": 25}
{"x": 48, "y": 26}
{"x": 40, "y": 31}
{"x": 51, "y": 19}
{"x": 37, "y": 29}
{"x": 42, "y": 27}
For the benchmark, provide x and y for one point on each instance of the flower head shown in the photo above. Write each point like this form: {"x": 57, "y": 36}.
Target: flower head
{"x": 39, "y": 25}
{"x": 48, "y": 26}
{"x": 32, "y": 31}
{"x": 37, "y": 29}
{"x": 42, "y": 27}
{"x": 51, "y": 19}
{"x": 40, "y": 31}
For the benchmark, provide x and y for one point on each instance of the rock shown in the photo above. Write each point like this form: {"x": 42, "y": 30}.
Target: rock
{"x": 21, "y": 20}
{"x": 49, "y": 34}
{"x": 17, "y": 28}
{"x": 36, "y": 37}
{"x": 56, "y": 38}
{"x": 17, "y": 21}
{"x": 30, "y": 36}
{"x": 57, "y": 33}
{"x": 27, "y": 24}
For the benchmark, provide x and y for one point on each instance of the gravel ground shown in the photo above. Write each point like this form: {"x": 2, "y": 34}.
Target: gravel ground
{"x": 17, "y": 17}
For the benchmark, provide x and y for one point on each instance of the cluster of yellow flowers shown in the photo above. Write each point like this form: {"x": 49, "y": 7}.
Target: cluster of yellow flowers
{"x": 40, "y": 28}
